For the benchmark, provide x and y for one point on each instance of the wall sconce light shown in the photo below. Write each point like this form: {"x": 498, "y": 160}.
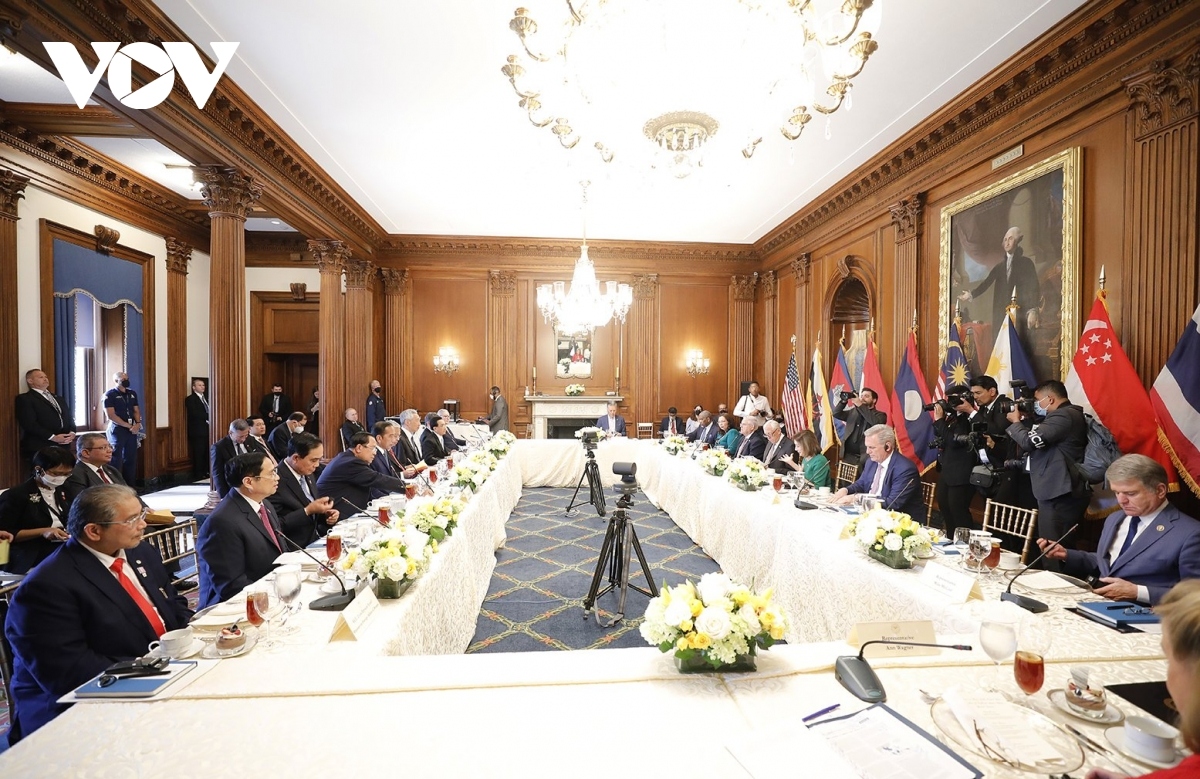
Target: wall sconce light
{"x": 697, "y": 363}
{"x": 445, "y": 361}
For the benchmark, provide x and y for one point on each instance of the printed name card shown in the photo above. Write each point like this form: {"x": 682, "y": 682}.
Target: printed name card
{"x": 955, "y": 586}
{"x": 353, "y": 619}
{"x": 920, "y": 631}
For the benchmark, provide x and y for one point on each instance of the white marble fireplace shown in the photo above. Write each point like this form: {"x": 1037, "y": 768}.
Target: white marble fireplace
{"x": 549, "y": 408}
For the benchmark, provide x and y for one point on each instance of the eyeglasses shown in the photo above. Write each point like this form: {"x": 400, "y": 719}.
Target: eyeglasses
{"x": 1139, "y": 610}
{"x": 271, "y": 475}
{"x": 106, "y": 447}
{"x": 131, "y": 522}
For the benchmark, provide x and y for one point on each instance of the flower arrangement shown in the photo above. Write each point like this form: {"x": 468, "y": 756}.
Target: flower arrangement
{"x": 436, "y": 517}
{"x": 469, "y": 474}
{"x": 484, "y": 459}
{"x": 674, "y": 444}
{"x": 397, "y": 554}
{"x": 498, "y": 446}
{"x": 505, "y": 436}
{"x": 714, "y": 621}
{"x": 574, "y": 389}
{"x": 880, "y": 531}
{"x": 748, "y": 473}
{"x": 714, "y": 461}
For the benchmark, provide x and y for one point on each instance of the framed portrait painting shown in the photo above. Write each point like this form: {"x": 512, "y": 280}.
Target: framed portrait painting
{"x": 1015, "y": 241}
{"x": 573, "y": 355}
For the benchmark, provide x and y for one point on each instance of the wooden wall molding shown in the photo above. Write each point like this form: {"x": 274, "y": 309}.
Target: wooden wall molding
{"x": 106, "y": 238}
{"x": 227, "y": 192}
{"x": 907, "y": 217}
{"x": 1164, "y": 95}
{"x": 68, "y": 119}
{"x": 517, "y": 253}
{"x": 175, "y": 445}
{"x": 503, "y": 284}
{"x": 643, "y": 384}
{"x": 12, "y": 376}
{"x": 277, "y": 250}
{"x": 331, "y": 257}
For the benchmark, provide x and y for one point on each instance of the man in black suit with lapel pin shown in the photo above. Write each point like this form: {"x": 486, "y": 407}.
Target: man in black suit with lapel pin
{"x": 452, "y": 442}
{"x": 102, "y": 597}
{"x": 279, "y": 437}
{"x": 225, "y": 450}
{"x": 349, "y": 477}
{"x": 44, "y": 417}
{"x": 706, "y": 431}
{"x": 433, "y": 437}
{"x": 754, "y": 443}
{"x": 92, "y": 467}
{"x": 410, "y": 449}
{"x": 387, "y": 435}
{"x": 302, "y": 515}
{"x": 195, "y": 405}
{"x": 238, "y": 543}
{"x": 778, "y": 447}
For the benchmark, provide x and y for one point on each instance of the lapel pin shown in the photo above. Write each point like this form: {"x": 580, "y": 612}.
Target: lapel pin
{"x": 1160, "y": 528}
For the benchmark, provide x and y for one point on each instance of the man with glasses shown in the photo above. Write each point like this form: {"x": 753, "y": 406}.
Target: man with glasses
{"x": 100, "y": 598}
{"x": 240, "y": 540}
{"x": 92, "y": 467}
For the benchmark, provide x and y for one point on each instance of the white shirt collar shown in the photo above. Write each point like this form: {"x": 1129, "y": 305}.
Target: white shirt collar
{"x": 105, "y": 560}
{"x": 253, "y": 503}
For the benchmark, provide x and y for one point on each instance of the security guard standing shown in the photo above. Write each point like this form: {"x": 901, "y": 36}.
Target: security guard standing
{"x": 124, "y": 426}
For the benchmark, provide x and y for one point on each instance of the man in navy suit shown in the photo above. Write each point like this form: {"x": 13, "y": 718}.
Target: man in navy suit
{"x": 387, "y": 435}
{"x": 303, "y": 516}
{"x": 238, "y": 543}
{"x": 225, "y": 450}
{"x": 672, "y": 424}
{"x": 101, "y": 598}
{"x": 1147, "y": 547}
{"x": 754, "y": 442}
{"x": 706, "y": 431}
{"x": 888, "y": 474}
{"x": 349, "y": 477}
{"x": 611, "y": 423}
{"x": 43, "y": 416}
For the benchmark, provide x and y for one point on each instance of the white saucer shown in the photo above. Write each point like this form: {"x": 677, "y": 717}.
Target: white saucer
{"x": 195, "y": 647}
{"x": 211, "y": 652}
{"x": 1111, "y": 716}
{"x": 331, "y": 586}
{"x": 1116, "y": 737}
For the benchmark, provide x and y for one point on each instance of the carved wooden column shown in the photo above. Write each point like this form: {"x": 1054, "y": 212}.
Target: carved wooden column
{"x": 1160, "y": 281}
{"x": 178, "y": 256}
{"x": 227, "y": 194}
{"x": 645, "y": 348}
{"x": 770, "y": 347}
{"x": 741, "y": 332}
{"x": 907, "y": 219}
{"x": 397, "y": 333}
{"x": 331, "y": 257}
{"x": 501, "y": 340}
{"x": 360, "y": 326}
{"x": 12, "y": 377}
{"x": 802, "y": 270}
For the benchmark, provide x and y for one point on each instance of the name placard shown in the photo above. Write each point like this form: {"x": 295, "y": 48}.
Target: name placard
{"x": 353, "y": 619}
{"x": 955, "y": 586}
{"x": 920, "y": 630}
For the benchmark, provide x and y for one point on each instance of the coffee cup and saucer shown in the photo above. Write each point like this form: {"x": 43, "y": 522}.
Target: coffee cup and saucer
{"x": 1147, "y": 740}
{"x": 176, "y": 644}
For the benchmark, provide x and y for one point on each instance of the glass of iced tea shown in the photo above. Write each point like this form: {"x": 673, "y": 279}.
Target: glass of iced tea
{"x": 777, "y": 482}
{"x": 993, "y": 558}
{"x": 1029, "y": 663}
{"x": 410, "y": 490}
{"x": 333, "y": 545}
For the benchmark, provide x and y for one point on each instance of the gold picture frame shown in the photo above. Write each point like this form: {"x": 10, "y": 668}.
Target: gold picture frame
{"x": 1042, "y": 203}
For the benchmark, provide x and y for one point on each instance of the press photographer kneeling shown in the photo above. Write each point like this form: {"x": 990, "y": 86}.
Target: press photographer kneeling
{"x": 956, "y": 443}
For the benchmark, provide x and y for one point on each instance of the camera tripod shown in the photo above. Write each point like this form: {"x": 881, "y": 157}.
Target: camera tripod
{"x": 614, "y": 554}
{"x": 591, "y": 472}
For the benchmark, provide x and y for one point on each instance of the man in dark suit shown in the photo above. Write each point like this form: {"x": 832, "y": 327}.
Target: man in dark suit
{"x": 754, "y": 443}
{"x": 992, "y": 406}
{"x": 303, "y": 516}
{"x": 387, "y": 435}
{"x": 888, "y": 474}
{"x": 611, "y": 423}
{"x": 282, "y": 434}
{"x": 100, "y": 598}
{"x": 257, "y": 441}
{"x": 44, "y": 417}
{"x": 433, "y": 437}
{"x": 706, "y": 431}
{"x": 860, "y": 415}
{"x": 92, "y": 466}
{"x": 376, "y": 408}
{"x": 238, "y": 543}
{"x": 349, "y": 478}
{"x": 671, "y": 424}
{"x": 350, "y": 426}
{"x": 225, "y": 450}
{"x": 411, "y": 450}
{"x": 275, "y": 407}
{"x": 1017, "y": 271}
{"x": 1055, "y": 446}
{"x": 197, "y": 409}
{"x": 956, "y": 459}
{"x": 1147, "y": 547}
{"x": 778, "y": 447}
{"x": 451, "y": 441}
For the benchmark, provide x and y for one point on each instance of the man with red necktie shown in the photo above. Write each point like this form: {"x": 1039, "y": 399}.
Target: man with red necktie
{"x": 99, "y": 599}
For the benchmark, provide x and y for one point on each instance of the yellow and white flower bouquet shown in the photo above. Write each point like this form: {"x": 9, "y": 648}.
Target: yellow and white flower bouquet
{"x": 891, "y": 535}
{"x": 483, "y": 459}
{"x": 395, "y": 557}
{"x": 714, "y": 624}
{"x": 574, "y": 390}
{"x": 714, "y": 461}
{"x": 748, "y": 473}
{"x": 674, "y": 444}
{"x": 499, "y": 444}
{"x": 470, "y": 474}
{"x": 436, "y": 517}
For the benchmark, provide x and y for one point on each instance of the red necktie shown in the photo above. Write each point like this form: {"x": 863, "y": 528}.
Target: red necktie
{"x": 156, "y": 623}
{"x": 672, "y": 427}
{"x": 262, "y": 514}
{"x": 104, "y": 476}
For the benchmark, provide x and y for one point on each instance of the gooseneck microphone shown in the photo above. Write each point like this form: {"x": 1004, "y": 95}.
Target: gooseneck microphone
{"x": 335, "y": 602}
{"x": 857, "y": 676}
{"x": 1029, "y": 604}
{"x": 361, "y": 510}
{"x": 887, "y": 505}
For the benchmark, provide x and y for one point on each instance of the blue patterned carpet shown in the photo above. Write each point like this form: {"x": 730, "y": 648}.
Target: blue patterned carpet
{"x": 535, "y": 601}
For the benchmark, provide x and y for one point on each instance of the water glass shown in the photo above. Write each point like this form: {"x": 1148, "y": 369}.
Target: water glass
{"x": 998, "y": 637}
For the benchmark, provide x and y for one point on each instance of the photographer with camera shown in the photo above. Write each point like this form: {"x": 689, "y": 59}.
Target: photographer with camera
{"x": 860, "y": 416}
{"x": 956, "y": 456}
{"x": 1005, "y": 460}
{"x": 1055, "y": 445}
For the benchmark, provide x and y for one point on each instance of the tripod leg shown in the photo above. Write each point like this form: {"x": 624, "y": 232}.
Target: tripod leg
{"x": 572, "y": 504}
{"x": 595, "y": 487}
{"x": 637, "y": 547}
{"x": 594, "y": 590}
{"x": 626, "y": 531}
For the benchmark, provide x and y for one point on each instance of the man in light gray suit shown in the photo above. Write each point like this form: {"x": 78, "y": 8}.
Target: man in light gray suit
{"x": 498, "y": 419}
{"x": 1147, "y": 547}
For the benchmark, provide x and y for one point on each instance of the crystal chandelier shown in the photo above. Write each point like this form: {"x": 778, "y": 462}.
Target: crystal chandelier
{"x": 582, "y": 308}
{"x": 669, "y": 80}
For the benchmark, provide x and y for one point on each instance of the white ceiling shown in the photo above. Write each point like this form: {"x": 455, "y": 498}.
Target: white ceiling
{"x": 403, "y": 103}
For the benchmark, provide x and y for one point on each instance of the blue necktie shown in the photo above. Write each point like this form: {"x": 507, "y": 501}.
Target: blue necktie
{"x": 1129, "y": 536}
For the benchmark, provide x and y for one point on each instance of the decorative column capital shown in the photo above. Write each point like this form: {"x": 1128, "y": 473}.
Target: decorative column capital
{"x": 12, "y": 189}
{"x": 907, "y": 217}
{"x": 226, "y": 191}
{"x": 503, "y": 285}
{"x": 179, "y": 254}
{"x": 743, "y": 286}
{"x": 802, "y": 269}
{"x": 331, "y": 256}
{"x": 1165, "y": 94}
{"x": 360, "y": 274}
{"x": 395, "y": 281}
{"x": 645, "y": 286}
{"x": 106, "y": 239}
{"x": 770, "y": 285}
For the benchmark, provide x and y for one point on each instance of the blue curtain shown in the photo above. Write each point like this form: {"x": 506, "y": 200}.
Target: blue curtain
{"x": 64, "y": 348}
{"x": 135, "y": 354}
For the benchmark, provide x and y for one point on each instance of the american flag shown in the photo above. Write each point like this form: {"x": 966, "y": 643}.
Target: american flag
{"x": 793, "y": 401}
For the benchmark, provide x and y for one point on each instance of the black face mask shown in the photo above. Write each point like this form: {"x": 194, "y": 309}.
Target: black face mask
{"x": 378, "y": 390}
{"x": 125, "y": 383}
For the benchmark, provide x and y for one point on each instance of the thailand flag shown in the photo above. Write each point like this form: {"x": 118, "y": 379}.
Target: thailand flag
{"x": 1176, "y": 399}
{"x": 914, "y": 425}
{"x": 839, "y": 382}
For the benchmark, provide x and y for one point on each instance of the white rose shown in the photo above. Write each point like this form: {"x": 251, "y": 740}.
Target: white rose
{"x": 746, "y": 612}
{"x": 714, "y": 622}
{"x": 677, "y": 612}
{"x": 865, "y": 532}
{"x": 714, "y": 587}
{"x": 397, "y": 568}
{"x": 415, "y": 540}
{"x": 893, "y": 542}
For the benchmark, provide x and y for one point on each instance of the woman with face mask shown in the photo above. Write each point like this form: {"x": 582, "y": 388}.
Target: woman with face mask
{"x": 35, "y": 512}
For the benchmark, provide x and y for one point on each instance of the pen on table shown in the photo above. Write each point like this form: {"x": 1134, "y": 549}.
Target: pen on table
{"x": 821, "y": 713}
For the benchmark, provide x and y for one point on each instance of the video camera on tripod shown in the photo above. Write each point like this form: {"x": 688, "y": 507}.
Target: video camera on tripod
{"x": 620, "y": 540}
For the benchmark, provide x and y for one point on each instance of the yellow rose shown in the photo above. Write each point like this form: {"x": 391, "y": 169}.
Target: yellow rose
{"x": 740, "y": 597}
{"x": 701, "y": 641}
{"x": 697, "y": 607}
{"x": 777, "y": 632}
{"x": 686, "y": 625}
{"x": 682, "y": 644}
{"x": 766, "y": 618}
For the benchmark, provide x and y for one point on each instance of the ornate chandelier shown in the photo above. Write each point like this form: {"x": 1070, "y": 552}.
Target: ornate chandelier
{"x": 672, "y": 79}
{"x": 583, "y": 307}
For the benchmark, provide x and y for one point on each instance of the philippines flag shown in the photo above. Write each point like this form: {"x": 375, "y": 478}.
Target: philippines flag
{"x": 873, "y": 380}
{"x": 793, "y": 403}
{"x": 820, "y": 415}
{"x": 839, "y": 382}
{"x": 954, "y": 370}
{"x": 914, "y": 425}
{"x": 1008, "y": 360}
{"x": 1176, "y": 399}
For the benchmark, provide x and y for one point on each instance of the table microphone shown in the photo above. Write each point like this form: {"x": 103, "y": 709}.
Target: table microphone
{"x": 857, "y": 676}
{"x": 327, "y": 602}
{"x": 1029, "y": 604}
{"x": 360, "y": 510}
{"x": 902, "y": 489}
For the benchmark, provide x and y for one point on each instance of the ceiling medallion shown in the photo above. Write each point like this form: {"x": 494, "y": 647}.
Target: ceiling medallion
{"x": 603, "y": 70}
